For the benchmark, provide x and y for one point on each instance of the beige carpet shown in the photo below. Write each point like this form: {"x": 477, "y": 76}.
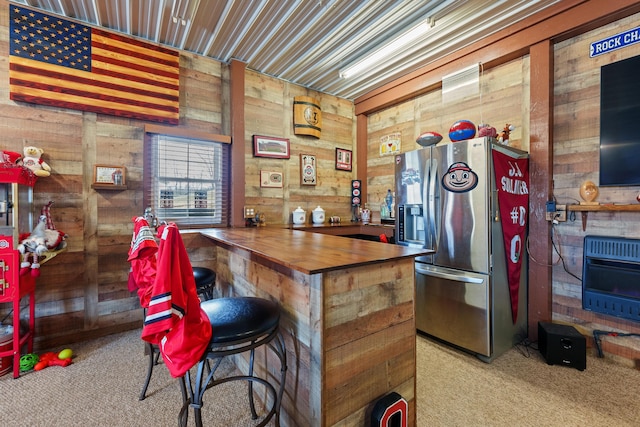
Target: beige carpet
{"x": 519, "y": 389}
{"x": 101, "y": 388}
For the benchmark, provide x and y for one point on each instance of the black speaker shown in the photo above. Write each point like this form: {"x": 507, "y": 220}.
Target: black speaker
{"x": 562, "y": 345}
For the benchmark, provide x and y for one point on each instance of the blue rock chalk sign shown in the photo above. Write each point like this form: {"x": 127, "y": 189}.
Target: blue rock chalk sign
{"x": 612, "y": 43}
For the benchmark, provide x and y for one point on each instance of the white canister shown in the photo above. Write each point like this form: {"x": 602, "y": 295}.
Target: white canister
{"x": 299, "y": 216}
{"x": 318, "y": 215}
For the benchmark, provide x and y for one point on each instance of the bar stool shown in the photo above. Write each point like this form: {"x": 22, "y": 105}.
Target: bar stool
{"x": 238, "y": 324}
{"x": 205, "y": 282}
{"x": 205, "y": 279}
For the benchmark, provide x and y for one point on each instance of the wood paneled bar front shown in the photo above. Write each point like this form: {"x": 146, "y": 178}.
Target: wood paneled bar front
{"x": 348, "y": 317}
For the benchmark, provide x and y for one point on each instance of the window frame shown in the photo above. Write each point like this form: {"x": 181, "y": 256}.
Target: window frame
{"x": 153, "y": 130}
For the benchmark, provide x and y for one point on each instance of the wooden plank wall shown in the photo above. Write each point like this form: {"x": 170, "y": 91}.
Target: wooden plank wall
{"x": 576, "y": 159}
{"x": 269, "y": 112}
{"x": 503, "y": 98}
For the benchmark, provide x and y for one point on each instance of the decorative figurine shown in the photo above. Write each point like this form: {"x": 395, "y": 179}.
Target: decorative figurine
{"x": 504, "y": 135}
{"x": 589, "y": 193}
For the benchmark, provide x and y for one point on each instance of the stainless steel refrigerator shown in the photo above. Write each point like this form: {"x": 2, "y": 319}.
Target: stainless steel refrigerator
{"x": 447, "y": 201}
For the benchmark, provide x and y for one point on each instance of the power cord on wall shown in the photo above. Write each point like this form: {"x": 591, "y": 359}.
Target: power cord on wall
{"x": 555, "y": 235}
{"x": 555, "y": 247}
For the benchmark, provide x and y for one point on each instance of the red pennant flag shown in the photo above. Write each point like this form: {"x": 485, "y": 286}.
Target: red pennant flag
{"x": 512, "y": 182}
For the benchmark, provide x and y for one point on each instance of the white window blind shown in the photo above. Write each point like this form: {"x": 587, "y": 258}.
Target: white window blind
{"x": 189, "y": 180}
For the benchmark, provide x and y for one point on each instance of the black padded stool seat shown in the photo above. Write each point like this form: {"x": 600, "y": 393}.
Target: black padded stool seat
{"x": 240, "y": 319}
{"x": 238, "y": 324}
{"x": 205, "y": 282}
{"x": 205, "y": 279}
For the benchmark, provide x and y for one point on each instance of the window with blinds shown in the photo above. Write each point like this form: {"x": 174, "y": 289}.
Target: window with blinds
{"x": 187, "y": 180}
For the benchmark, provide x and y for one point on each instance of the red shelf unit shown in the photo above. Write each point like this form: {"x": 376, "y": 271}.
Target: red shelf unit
{"x": 18, "y": 189}
{"x": 14, "y": 288}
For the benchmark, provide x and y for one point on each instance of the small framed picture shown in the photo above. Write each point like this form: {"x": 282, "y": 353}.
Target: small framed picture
{"x": 343, "y": 159}
{"x": 109, "y": 175}
{"x": 308, "y": 169}
{"x": 270, "y": 179}
{"x": 269, "y": 146}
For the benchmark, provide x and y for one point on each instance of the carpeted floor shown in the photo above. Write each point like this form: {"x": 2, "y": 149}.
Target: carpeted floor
{"x": 519, "y": 389}
{"x": 102, "y": 386}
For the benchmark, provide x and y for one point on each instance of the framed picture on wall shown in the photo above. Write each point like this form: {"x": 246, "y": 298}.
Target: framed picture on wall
{"x": 308, "y": 169}
{"x": 343, "y": 159}
{"x": 269, "y": 146}
{"x": 109, "y": 175}
{"x": 270, "y": 179}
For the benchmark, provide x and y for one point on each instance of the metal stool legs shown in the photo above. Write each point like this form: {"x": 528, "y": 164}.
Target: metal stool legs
{"x": 154, "y": 354}
{"x": 277, "y": 346}
{"x": 205, "y": 279}
{"x": 194, "y": 390}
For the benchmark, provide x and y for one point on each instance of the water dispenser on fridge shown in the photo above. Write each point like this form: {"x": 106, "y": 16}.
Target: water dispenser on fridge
{"x": 410, "y": 225}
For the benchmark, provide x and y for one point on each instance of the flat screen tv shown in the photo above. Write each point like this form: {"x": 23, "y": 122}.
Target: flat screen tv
{"x": 620, "y": 123}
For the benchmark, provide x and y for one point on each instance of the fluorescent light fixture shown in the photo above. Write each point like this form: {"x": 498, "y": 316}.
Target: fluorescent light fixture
{"x": 388, "y": 50}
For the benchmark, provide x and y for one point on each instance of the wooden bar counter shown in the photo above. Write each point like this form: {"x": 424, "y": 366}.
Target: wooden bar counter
{"x": 348, "y": 317}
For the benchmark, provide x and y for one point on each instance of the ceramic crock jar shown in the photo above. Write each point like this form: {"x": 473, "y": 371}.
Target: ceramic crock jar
{"x": 318, "y": 215}
{"x": 299, "y": 216}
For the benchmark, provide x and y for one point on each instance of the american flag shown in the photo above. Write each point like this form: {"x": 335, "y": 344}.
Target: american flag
{"x": 61, "y": 63}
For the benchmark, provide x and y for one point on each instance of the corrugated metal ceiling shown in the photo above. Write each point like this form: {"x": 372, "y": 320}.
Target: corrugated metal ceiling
{"x": 306, "y": 42}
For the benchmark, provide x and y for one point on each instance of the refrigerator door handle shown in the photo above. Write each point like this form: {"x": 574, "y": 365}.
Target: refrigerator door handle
{"x": 426, "y": 214}
{"x": 431, "y": 197}
{"x": 449, "y": 276}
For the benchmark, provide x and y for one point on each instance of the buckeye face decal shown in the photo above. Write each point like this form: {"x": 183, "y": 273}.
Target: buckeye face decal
{"x": 459, "y": 178}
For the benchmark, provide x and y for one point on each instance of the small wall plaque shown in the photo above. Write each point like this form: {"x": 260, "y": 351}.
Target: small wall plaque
{"x": 343, "y": 159}
{"x": 390, "y": 144}
{"x": 308, "y": 169}
{"x": 107, "y": 175}
{"x": 270, "y": 179}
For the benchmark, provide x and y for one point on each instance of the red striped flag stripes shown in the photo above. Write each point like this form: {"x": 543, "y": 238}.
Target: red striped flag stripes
{"x": 61, "y": 63}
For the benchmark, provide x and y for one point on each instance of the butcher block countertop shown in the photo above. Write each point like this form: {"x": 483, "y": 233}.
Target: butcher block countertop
{"x": 308, "y": 252}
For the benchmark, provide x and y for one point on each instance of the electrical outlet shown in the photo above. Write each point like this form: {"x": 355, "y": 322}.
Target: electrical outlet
{"x": 551, "y": 210}
{"x": 558, "y": 214}
{"x": 249, "y": 212}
